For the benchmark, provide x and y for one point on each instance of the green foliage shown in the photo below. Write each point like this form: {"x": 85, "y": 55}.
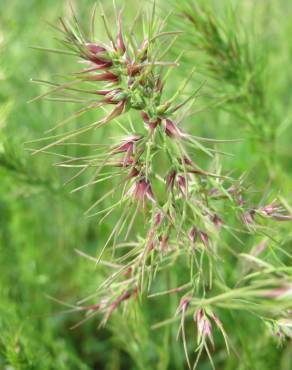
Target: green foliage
{"x": 246, "y": 66}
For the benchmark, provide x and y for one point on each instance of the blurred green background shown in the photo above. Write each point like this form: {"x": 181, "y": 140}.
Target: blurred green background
{"x": 41, "y": 223}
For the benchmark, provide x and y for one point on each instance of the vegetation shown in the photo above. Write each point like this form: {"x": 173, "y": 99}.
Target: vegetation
{"x": 146, "y": 191}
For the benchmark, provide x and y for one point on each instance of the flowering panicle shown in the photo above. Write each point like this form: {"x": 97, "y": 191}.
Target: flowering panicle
{"x": 153, "y": 169}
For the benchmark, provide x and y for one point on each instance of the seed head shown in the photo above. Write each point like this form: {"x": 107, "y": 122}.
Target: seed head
{"x": 143, "y": 191}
